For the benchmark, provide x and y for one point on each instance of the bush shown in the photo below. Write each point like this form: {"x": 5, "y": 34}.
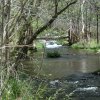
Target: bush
{"x": 54, "y": 54}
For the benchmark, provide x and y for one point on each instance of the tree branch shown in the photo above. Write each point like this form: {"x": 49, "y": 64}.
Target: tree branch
{"x": 49, "y": 23}
{"x": 34, "y": 35}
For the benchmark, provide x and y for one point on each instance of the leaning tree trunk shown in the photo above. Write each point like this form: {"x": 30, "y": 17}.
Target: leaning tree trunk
{"x": 56, "y": 6}
{"x": 90, "y": 12}
{"x": 7, "y": 32}
{"x": 34, "y": 35}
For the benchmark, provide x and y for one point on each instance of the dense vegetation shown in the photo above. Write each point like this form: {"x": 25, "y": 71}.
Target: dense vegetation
{"x": 22, "y": 21}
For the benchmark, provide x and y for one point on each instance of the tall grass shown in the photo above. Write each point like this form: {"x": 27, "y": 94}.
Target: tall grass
{"x": 16, "y": 89}
{"x": 87, "y": 45}
{"x": 26, "y": 88}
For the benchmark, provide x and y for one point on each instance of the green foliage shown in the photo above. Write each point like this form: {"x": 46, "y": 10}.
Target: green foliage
{"x": 17, "y": 89}
{"x": 54, "y": 54}
{"x": 92, "y": 45}
{"x": 39, "y": 94}
{"x": 12, "y": 90}
{"x": 36, "y": 23}
{"x": 78, "y": 45}
{"x": 39, "y": 45}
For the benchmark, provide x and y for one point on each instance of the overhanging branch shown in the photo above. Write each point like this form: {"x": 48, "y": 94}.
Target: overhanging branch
{"x": 34, "y": 35}
{"x": 49, "y": 23}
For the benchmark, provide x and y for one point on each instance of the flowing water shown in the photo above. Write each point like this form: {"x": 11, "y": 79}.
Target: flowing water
{"x": 71, "y": 62}
{"x": 71, "y": 73}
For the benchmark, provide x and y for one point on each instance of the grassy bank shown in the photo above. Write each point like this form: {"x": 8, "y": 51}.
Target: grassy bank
{"x": 91, "y": 46}
{"x": 26, "y": 88}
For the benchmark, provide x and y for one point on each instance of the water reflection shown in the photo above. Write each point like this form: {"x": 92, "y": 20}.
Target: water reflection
{"x": 83, "y": 65}
{"x": 74, "y": 62}
{"x": 71, "y": 62}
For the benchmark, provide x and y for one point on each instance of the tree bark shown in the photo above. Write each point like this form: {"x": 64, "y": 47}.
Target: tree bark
{"x": 82, "y": 11}
{"x": 97, "y": 16}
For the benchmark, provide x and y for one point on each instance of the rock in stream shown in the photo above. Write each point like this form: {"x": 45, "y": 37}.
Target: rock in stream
{"x": 79, "y": 86}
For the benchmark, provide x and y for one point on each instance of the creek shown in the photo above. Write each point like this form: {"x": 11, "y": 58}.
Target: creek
{"x": 74, "y": 70}
{"x": 71, "y": 62}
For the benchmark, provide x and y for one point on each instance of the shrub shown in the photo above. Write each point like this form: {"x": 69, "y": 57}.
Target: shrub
{"x": 34, "y": 89}
{"x": 54, "y": 54}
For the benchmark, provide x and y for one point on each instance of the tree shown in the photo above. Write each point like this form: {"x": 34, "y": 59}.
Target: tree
{"x": 24, "y": 49}
{"x": 2, "y": 31}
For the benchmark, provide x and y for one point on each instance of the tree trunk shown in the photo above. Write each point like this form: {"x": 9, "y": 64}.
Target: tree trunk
{"x": 90, "y": 19}
{"x": 97, "y": 16}
{"x": 86, "y": 18}
{"x": 82, "y": 11}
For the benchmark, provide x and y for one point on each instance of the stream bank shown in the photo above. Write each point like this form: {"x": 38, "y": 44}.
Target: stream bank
{"x": 73, "y": 76}
{"x": 81, "y": 86}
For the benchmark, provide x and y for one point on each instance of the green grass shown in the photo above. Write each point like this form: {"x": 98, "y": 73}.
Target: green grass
{"x": 18, "y": 89}
{"x": 39, "y": 45}
{"x": 31, "y": 89}
{"x": 15, "y": 89}
{"x": 89, "y": 46}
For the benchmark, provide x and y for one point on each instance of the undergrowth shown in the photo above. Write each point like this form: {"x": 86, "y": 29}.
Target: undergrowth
{"x": 91, "y": 45}
{"x": 23, "y": 88}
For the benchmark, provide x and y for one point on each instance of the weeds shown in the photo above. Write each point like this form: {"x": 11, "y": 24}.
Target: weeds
{"x": 32, "y": 89}
{"x": 91, "y": 45}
